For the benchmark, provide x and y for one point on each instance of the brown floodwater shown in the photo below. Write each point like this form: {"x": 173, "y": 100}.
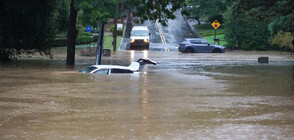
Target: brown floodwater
{"x": 186, "y": 96}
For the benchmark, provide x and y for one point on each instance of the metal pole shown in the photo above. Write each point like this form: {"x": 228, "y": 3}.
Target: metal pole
{"x": 214, "y": 36}
{"x": 100, "y": 44}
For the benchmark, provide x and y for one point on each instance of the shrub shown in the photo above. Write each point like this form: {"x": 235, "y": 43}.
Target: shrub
{"x": 85, "y": 34}
{"x": 119, "y": 32}
{"x": 84, "y": 40}
{"x": 59, "y": 42}
{"x": 245, "y": 33}
{"x": 95, "y": 38}
{"x": 283, "y": 40}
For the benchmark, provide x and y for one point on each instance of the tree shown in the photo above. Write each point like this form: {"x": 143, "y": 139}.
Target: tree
{"x": 279, "y": 13}
{"x": 102, "y": 10}
{"x": 116, "y": 15}
{"x": 245, "y": 33}
{"x": 61, "y": 14}
{"x": 283, "y": 40}
{"x": 207, "y": 9}
{"x": 92, "y": 13}
{"x": 26, "y": 27}
{"x": 160, "y": 10}
{"x": 71, "y": 35}
{"x": 259, "y": 21}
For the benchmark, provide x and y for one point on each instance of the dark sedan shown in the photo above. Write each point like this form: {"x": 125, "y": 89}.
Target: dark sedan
{"x": 198, "y": 45}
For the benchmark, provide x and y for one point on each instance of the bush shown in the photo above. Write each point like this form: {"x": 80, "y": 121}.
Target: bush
{"x": 95, "y": 38}
{"x": 59, "y": 42}
{"x": 84, "y": 40}
{"x": 119, "y": 32}
{"x": 246, "y": 34}
{"x": 85, "y": 34}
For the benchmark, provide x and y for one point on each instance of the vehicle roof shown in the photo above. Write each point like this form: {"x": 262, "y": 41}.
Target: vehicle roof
{"x": 140, "y": 28}
{"x": 134, "y": 66}
{"x": 109, "y": 66}
{"x": 194, "y": 39}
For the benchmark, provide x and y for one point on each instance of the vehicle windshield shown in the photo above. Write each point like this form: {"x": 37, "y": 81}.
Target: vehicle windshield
{"x": 139, "y": 33}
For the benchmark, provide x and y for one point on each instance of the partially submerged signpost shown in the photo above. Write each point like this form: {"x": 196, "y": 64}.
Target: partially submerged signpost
{"x": 215, "y": 25}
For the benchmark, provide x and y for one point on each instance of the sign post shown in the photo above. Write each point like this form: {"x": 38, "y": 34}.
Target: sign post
{"x": 215, "y": 25}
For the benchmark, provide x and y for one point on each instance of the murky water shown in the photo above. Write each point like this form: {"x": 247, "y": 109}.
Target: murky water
{"x": 187, "y": 96}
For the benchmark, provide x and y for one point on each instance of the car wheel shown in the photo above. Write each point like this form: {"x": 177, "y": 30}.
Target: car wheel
{"x": 217, "y": 51}
{"x": 189, "y": 50}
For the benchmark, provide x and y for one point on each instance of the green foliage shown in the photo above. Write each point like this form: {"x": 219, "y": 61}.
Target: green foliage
{"x": 278, "y": 13}
{"x": 59, "y": 42}
{"x": 107, "y": 41}
{"x": 84, "y": 40}
{"x": 245, "y": 33}
{"x": 207, "y": 9}
{"x": 208, "y": 30}
{"x": 119, "y": 32}
{"x": 85, "y": 34}
{"x": 280, "y": 24}
{"x": 95, "y": 38}
{"x": 91, "y": 12}
{"x": 161, "y": 10}
{"x": 283, "y": 40}
{"x": 218, "y": 17}
{"x": 26, "y": 27}
{"x": 61, "y": 14}
{"x": 220, "y": 36}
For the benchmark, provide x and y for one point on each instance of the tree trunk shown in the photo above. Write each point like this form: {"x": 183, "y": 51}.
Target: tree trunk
{"x": 198, "y": 20}
{"x": 71, "y": 35}
{"x": 122, "y": 11}
{"x": 114, "y": 35}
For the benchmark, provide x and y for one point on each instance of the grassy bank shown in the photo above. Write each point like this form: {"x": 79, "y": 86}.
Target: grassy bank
{"x": 220, "y": 36}
{"x": 208, "y": 33}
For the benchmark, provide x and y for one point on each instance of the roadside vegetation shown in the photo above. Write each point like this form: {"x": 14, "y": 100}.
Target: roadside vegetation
{"x": 246, "y": 24}
{"x": 92, "y": 42}
{"x": 207, "y": 32}
{"x": 37, "y": 26}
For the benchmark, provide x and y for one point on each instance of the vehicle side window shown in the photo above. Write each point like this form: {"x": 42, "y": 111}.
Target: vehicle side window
{"x": 102, "y": 71}
{"x": 204, "y": 42}
{"x": 121, "y": 71}
{"x": 88, "y": 69}
{"x": 195, "y": 42}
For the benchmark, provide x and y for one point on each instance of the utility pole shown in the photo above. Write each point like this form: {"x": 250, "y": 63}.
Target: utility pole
{"x": 100, "y": 44}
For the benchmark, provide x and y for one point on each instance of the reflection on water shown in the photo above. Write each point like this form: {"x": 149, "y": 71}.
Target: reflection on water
{"x": 139, "y": 54}
{"x": 179, "y": 99}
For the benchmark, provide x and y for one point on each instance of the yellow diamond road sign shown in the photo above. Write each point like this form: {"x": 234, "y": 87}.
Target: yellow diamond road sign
{"x": 215, "y": 24}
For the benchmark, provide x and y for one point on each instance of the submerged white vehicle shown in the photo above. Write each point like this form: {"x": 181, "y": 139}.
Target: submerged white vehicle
{"x": 109, "y": 69}
{"x": 139, "y": 37}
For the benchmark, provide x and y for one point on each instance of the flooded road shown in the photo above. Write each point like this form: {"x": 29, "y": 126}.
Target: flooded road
{"x": 186, "y": 96}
